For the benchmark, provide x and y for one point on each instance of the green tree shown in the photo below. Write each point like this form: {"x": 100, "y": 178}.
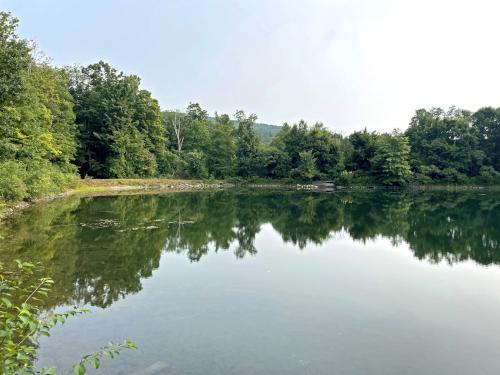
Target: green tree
{"x": 326, "y": 148}
{"x": 248, "y": 156}
{"x": 391, "y": 159}
{"x": 277, "y": 162}
{"x": 131, "y": 157}
{"x": 37, "y": 132}
{"x": 194, "y": 166}
{"x": 486, "y": 121}
{"x": 120, "y": 124}
{"x": 362, "y": 150}
{"x": 292, "y": 140}
{"x": 444, "y": 145}
{"x": 306, "y": 170}
{"x": 221, "y": 151}
{"x": 195, "y": 129}
{"x": 15, "y": 57}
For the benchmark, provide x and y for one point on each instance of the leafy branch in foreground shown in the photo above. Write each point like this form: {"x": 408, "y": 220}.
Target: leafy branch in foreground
{"x": 23, "y": 322}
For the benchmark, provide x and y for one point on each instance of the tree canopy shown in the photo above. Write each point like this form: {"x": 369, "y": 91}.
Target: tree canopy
{"x": 98, "y": 122}
{"x": 121, "y": 132}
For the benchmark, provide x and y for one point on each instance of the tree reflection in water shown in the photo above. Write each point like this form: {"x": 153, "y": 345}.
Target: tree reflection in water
{"x": 99, "y": 249}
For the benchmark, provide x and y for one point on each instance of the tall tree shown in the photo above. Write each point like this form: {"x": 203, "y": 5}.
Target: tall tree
{"x": 362, "y": 150}
{"x": 293, "y": 140}
{"x": 177, "y": 127}
{"x": 221, "y": 152}
{"x": 444, "y": 144}
{"x": 15, "y": 58}
{"x": 306, "y": 170}
{"x": 195, "y": 127}
{"x": 391, "y": 159}
{"x": 326, "y": 148}
{"x": 120, "y": 124}
{"x": 487, "y": 124}
{"x": 37, "y": 133}
{"x": 248, "y": 156}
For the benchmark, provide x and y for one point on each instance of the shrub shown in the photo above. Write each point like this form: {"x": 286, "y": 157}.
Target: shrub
{"x": 345, "y": 178}
{"x": 488, "y": 174}
{"x": 453, "y": 176}
{"x": 12, "y": 185}
{"x": 195, "y": 165}
{"x": 22, "y": 292}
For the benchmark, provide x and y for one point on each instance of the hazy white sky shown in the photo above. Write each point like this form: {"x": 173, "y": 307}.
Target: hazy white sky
{"x": 349, "y": 64}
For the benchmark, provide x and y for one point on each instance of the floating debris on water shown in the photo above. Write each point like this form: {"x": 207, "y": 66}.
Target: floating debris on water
{"x": 181, "y": 222}
{"x": 149, "y": 227}
{"x": 101, "y": 223}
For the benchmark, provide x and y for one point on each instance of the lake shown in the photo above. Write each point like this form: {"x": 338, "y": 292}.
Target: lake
{"x": 272, "y": 282}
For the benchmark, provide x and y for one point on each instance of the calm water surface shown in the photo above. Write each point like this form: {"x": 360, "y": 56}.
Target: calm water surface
{"x": 273, "y": 282}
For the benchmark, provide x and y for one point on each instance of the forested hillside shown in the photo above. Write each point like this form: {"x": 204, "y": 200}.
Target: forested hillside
{"x": 59, "y": 124}
{"x": 265, "y": 132}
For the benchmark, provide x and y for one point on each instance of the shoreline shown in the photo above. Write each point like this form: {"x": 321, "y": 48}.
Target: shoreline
{"x": 96, "y": 187}
{"x": 102, "y": 187}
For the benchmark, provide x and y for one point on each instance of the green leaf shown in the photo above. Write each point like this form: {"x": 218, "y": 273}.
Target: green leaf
{"x": 130, "y": 344}
{"x": 79, "y": 369}
{"x": 6, "y": 302}
{"x": 96, "y": 362}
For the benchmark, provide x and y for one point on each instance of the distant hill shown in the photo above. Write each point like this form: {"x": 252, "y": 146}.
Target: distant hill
{"x": 265, "y": 132}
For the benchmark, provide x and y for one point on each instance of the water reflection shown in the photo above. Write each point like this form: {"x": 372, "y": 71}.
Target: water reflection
{"x": 98, "y": 249}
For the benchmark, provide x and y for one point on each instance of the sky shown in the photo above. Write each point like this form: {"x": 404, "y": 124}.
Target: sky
{"x": 349, "y": 64}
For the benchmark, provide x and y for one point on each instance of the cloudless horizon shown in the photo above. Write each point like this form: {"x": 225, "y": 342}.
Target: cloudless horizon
{"x": 348, "y": 64}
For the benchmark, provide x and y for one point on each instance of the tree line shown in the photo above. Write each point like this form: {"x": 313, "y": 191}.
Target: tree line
{"x": 97, "y": 122}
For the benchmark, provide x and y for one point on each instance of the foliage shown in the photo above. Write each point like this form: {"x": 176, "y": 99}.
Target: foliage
{"x": 361, "y": 151}
{"x": 15, "y": 58}
{"x": 247, "y": 146}
{"x": 37, "y": 133}
{"x": 99, "y": 122}
{"x": 221, "y": 150}
{"x": 277, "y": 162}
{"x": 23, "y": 322}
{"x": 486, "y": 122}
{"x": 306, "y": 170}
{"x": 453, "y": 147}
{"x": 121, "y": 133}
{"x": 445, "y": 142}
{"x": 390, "y": 160}
{"x": 194, "y": 165}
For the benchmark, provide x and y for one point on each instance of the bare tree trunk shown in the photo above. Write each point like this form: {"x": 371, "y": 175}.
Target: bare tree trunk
{"x": 177, "y": 129}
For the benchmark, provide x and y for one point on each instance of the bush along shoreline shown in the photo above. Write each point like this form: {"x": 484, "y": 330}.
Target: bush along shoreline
{"x": 61, "y": 125}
